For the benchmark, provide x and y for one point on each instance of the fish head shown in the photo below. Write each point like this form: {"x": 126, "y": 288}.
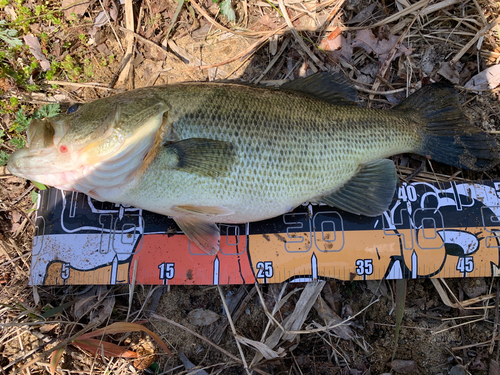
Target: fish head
{"x": 93, "y": 145}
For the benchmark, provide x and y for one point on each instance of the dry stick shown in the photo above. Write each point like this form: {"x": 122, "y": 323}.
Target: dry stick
{"x": 392, "y": 53}
{"x": 458, "y": 325}
{"x": 459, "y": 304}
{"x": 298, "y": 37}
{"x": 280, "y": 30}
{"x": 266, "y": 311}
{"x": 275, "y": 308}
{"x": 273, "y": 61}
{"x": 479, "y": 34}
{"x": 233, "y": 357}
{"x": 410, "y": 9}
{"x": 75, "y": 84}
{"x": 142, "y": 39}
{"x": 112, "y": 28}
{"x": 495, "y": 327}
{"x": 484, "y": 343}
{"x": 131, "y": 288}
{"x": 230, "y": 320}
{"x": 62, "y": 344}
{"x": 327, "y": 328}
{"x": 129, "y": 38}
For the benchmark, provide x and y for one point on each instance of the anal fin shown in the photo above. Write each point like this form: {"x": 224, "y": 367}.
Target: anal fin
{"x": 369, "y": 192}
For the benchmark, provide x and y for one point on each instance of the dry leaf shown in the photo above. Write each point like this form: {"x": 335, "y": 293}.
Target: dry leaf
{"x": 48, "y": 327}
{"x": 380, "y": 47}
{"x": 333, "y": 41}
{"x": 486, "y": 80}
{"x": 342, "y": 328}
{"x": 104, "y": 348}
{"x": 263, "y": 349}
{"x": 449, "y": 72}
{"x": 190, "y": 365}
{"x": 74, "y": 8}
{"x": 202, "y": 317}
{"x": 96, "y": 302}
{"x": 35, "y": 48}
{"x": 494, "y": 368}
{"x": 362, "y": 16}
{"x": 101, "y": 19}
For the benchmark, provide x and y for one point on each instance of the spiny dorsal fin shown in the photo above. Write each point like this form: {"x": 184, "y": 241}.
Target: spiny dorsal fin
{"x": 333, "y": 88}
{"x": 369, "y": 192}
{"x": 205, "y": 157}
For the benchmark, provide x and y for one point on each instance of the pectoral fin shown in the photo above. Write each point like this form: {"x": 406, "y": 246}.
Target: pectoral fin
{"x": 205, "y": 157}
{"x": 194, "y": 222}
{"x": 369, "y": 192}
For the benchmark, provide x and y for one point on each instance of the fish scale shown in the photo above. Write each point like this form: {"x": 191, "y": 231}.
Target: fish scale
{"x": 207, "y": 153}
{"x": 280, "y": 159}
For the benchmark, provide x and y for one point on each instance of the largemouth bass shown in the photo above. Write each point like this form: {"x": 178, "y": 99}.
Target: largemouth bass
{"x": 206, "y": 153}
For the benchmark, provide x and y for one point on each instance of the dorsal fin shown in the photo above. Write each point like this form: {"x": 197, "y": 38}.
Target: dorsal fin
{"x": 333, "y": 88}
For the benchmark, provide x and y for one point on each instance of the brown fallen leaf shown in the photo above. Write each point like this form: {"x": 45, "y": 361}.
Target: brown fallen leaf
{"x": 486, "y": 80}
{"x": 379, "y": 47}
{"x": 35, "y": 48}
{"x": 74, "y": 8}
{"x": 202, "y": 317}
{"x": 333, "y": 41}
{"x": 449, "y": 72}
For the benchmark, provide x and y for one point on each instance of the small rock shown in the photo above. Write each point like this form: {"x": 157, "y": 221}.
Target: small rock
{"x": 457, "y": 370}
{"x": 202, "y": 317}
{"x": 475, "y": 287}
{"x": 402, "y": 366}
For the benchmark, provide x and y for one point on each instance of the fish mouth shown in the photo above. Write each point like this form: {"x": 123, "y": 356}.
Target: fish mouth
{"x": 43, "y": 166}
{"x": 40, "y": 161}
{"x": 106, "y": 162}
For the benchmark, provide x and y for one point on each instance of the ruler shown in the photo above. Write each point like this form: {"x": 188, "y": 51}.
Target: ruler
{"x": 430, "y": 230}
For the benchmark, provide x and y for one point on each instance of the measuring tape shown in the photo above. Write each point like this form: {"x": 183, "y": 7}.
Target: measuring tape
{"x": 431, "y": 230}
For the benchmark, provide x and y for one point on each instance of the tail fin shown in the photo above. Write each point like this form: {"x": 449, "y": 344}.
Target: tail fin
{"x": 448, "y": 137}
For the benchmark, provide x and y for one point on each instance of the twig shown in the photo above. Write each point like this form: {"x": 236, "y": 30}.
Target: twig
{"x": 230, "y": 320}
{"x": 110, "y": 24}
{"x": 392, "y": 53}
{"x": 76, "y": 84}
{"x": 479, "y": 34}
{"x": 129, "y": 38}
{"x": 175, "y": 324}
{"x": 131, "y": 288}
{"x": 273, "y": 61}
{"x": 298, "y": 37}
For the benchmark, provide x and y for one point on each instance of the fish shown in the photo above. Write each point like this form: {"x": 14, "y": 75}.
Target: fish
{"x": 211, "y": 152}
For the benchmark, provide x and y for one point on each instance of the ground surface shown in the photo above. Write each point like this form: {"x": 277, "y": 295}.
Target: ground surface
{"x": 380, "y": 46}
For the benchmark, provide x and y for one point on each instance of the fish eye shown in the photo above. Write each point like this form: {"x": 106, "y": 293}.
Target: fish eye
{"x": 73, "y": 108}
